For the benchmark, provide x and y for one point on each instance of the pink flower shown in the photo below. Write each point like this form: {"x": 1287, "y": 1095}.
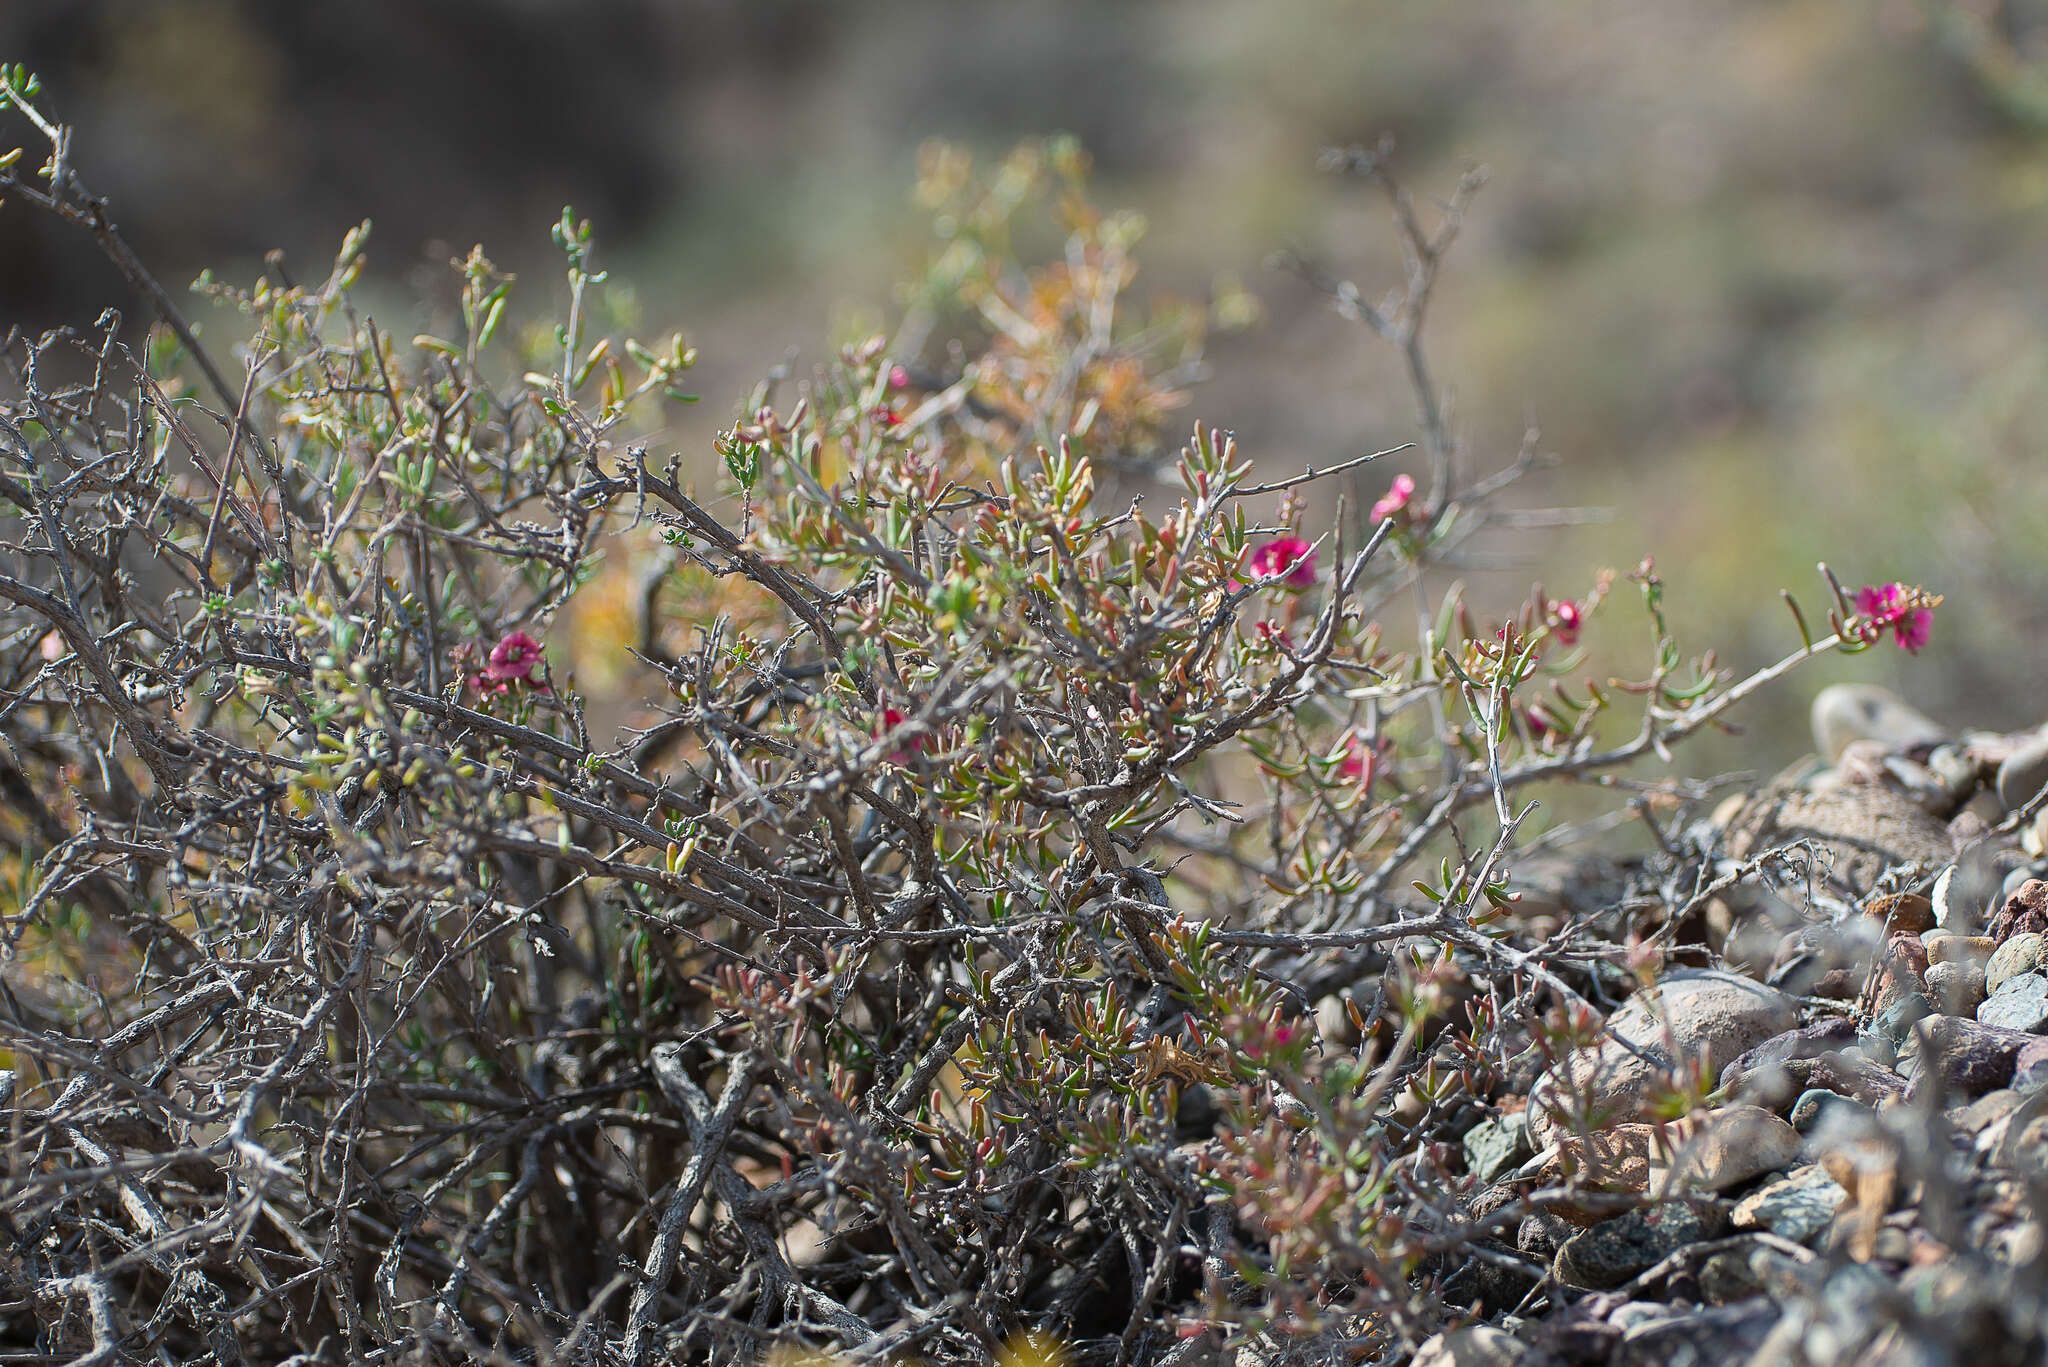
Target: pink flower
{"x": 887, "y": 417}
{"x": 1904, "y": 611}
{"x": 893, "y": 717}
{"x": 513, "y": 661}
{"x": 1360, "y": 762}
{"x": 1289, "y": 556}
{"x": 1396, "y": 501}
{"x": 899, "y": 377}
{"x": 1565, "y": 622}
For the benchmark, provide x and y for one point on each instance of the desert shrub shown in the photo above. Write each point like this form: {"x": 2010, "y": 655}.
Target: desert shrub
{"x": 1061, "y": 883}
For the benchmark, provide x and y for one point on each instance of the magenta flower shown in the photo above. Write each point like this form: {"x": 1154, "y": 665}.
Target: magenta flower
{"x": 899, "y": 377}
{"x": 1289, "y": 556}
{"x": 1360, "y": 762}
{"x": 513, "y": 661}
{"x": 1565, "y": 622}
{"x": 893, "y": 717}
{"x": 1907, "y": 613}
{"x": 1396, "y": 501}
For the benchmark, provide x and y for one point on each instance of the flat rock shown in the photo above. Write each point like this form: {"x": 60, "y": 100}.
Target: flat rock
{"x": 1798, "y": 1206}
{"x": 1614, "y": 1251}
{"x": 2020, "y": 1003}
{"x": 1705, "y": 1017}
{"x": 1959, "y": 949}
{"x": 1479, "y": 1346}
{"x": 1972, "y": 1058}
{"x": 1862, "y": 829}
{"x": 1496, "y": 1144}
{"x": 1843, "y": 713}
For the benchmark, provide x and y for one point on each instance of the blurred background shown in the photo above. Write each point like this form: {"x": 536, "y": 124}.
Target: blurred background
{"x": 1771, "y": 278}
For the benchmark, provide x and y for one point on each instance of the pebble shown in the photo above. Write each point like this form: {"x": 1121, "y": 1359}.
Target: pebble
{"x": 1956, "y": 988}
{"x": 1954, "y": 949}
{"x": 1616, "y": 1159}
{"x": 2019, "y": 954}
{"x": 2020, "y": 1003}
{"x": 1956, "y": 770}
{"x": 1798, "y": 1206}
{"x": 1496, "y": 1144}
{"x": 1614, "y": 1251}
{"x": 2025, "y": 910}
{"x": 1727, "y": 1148}
{"x": 1726, "y": 1333}
{"x": 2024, "y": 773}
{"x": 1816, "y": 1107}
{"x": 1712, "y": 1017}
{"x": 1905, "y": 911}
{"x": 1850, "y": 712}
{"x": 1959, "y": 899}
{"x": 1480, "y": 1346}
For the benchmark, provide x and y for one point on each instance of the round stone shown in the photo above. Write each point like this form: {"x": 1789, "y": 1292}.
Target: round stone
{"x": 1728, "y": 1147}
{"x": 1709, "y": 1016}
{"x": 1480, "y": 1346}
{"x": 2021, "y": 953}
{"x": 1957, "y": 988}
{"x": 2024, "y": 773}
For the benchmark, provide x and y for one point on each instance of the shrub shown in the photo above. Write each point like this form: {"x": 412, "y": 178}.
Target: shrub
{"x": 1041, "y": 904}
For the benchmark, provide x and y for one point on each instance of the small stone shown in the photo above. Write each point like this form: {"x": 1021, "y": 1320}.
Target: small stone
{"x": 1728, "y": 1147}
{"x": 1496, "y": 1144}
{"x": 1956, "y": 988}
{"x": 1979, "y": 1115}
{"x": 1479, "y": 1346}
{"x": 1727, "y": 1277}
{"x": 2024, "y": 773}
{"x": 1815, "y": 1106}
{"x": 1613, "y": 1251}
{"x": 1906, "y": 911}
{"x": 1722, "y": 1334}
{"x": 1611, "y": 1161}
{"x": 2019, "y": 954}
{"x": 1958, "y": 949}
{"x": 1903, "y": 974}
{"x": 1954, "y": 908}
{"x": 1712, "y": 1017}
{"x": 2020, "y": 1003}
{"x": 1895, "y": 1022}
{"x": 1850, "y": 712}
{"x": 1768, "y": 1075}
{"x": 1798, "y": 1206}
{"x": 1956, "y": 770}
{"x": 2026, "y": 910}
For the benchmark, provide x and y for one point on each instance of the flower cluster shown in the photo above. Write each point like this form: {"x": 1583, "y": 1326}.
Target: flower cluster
{"x": 513, "y": 661}
{"x": 1908, "y": 613}
{"x": 1289, "y": 556}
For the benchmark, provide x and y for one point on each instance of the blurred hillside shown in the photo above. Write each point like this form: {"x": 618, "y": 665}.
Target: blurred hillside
{"x": 1770, "y": 277}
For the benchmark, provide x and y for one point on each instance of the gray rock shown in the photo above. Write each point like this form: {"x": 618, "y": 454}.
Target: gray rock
{"x": 1956, "y": 770}
{"x": 1815, "y": 1106}
{"x": 1614, "y": 1251}
{"x": 2020, "y": 1003}
{"x": 1850, "y": 712}
{"x": 1479, "y": 1346}
{"x": 1895, "y": 1023}
{"x": 1957, "y": 988}
{"x": 1710, "y": 1017}
{"x": 2024, "y": 773}
{"x": 1799, "y": 1206}
{"x": 1496, "y": 1144}
{"x": 1695, "y": 1338}
{"x": 2022, "y": 953}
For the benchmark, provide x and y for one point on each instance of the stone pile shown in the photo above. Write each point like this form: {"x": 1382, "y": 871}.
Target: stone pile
{"x": 1867, "y": 1179}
